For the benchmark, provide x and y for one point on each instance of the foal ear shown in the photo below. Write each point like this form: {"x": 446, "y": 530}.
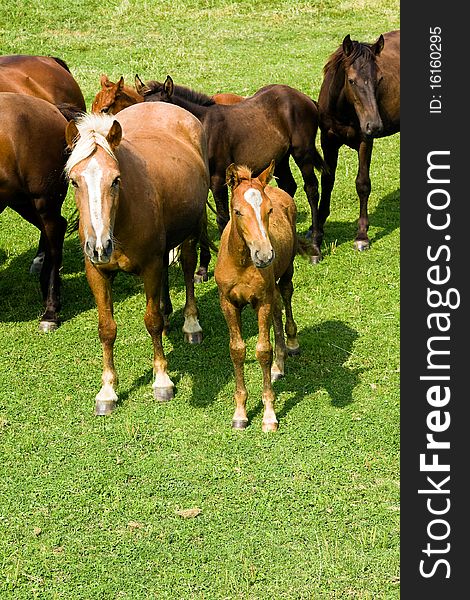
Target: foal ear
{"x": 379, "y": 45}
{"x": 114, "y": 135}
{"x": 140, "y": 86}
{"x": 168, "y": 86}
{"x": 120, "y": 84}
{"x": 347, "y": 45}
{"x": 231, "y": 176}
{"x": 71, "y": 134}
{"x": 104, "y": 81}
{"x": 266, "y": 176}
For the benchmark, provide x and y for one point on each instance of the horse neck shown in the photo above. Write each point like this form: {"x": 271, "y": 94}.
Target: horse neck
{"x": 196, "y": 109}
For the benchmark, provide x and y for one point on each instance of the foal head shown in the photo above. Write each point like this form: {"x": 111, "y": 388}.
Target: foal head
{"x": 93, "y": 171}
{"x": 114, "y": 97}
{"x": 361, "y": 78}
{"x": 250, "y": 210}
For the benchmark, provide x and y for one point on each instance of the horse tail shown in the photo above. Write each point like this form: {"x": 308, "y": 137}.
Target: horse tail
{"x": 318, "y": 161}
{"x": 62, "y": 63}
{"x": 204, "y": 239}
{"x": 72, "y": 225}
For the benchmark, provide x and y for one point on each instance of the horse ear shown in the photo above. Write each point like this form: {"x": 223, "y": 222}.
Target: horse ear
{"x": 114, "y": 135}
{"x": 71, "y": 134}
{"x": 168, "y": 86}
{"x": 231, "y": 176}
{"x": 347, "y": 45}
{"x": 120, "y": 84}
{"x": 104, "y": 81}
{"x": 379, "y": 45}
{"x": 140, "y": 86}
{"x": 266, "y": 176}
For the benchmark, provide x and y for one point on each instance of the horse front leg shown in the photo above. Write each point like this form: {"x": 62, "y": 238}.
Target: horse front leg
{"x": 191, "y": 328}
{"x": 100, "y": 285}
{"x": 237, "y": 354}
{"x": 330, "y": 148}
{"x": 280, "y": 350}
{"x": 264, "y": 354}
{"x": 286, "y": 288}
{"x": 363, "y": 188}
{"x": 163, "y": 387}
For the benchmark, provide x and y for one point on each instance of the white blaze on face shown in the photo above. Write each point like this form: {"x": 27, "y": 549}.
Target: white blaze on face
{"x": 254, "y": 199}
{"x": 93, "y": 176}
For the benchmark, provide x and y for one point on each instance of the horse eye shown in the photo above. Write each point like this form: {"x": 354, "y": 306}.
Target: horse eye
{"x": 74, "y": 183}
{"x": 237, "y": 212}
{"x": 116, "y": 182}
{"x": 105, "y": 110}
{"x": 270, "y": 211}
{"x": 352, "y": 82}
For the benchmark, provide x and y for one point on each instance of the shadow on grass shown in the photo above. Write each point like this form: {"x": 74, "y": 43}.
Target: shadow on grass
{"x": 325, "y": 350}
{"x": 385, "y": 218}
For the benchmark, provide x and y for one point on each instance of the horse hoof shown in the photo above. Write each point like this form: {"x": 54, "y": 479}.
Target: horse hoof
{"x": 163, "y": 394}
{"x": 271, "y": 426}
{"x": 314, "y": 260}
{"x": 361, "y": 245}
{"x": 293, "y": 351}
{"x": 104, "y": 408}
{"x": 193, "y": 338}
{"x": 239, "y": 424}
{"x": 48, "y": 326}
{"x": 200, "y": 278}
{"x": 36, "y": 265}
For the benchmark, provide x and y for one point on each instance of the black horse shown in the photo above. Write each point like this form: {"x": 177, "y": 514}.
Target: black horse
{"x": 359, "y": 100}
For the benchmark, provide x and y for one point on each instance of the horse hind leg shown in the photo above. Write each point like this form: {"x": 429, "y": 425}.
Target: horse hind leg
{"x": 201, "y": 274}
{"x": 286, "y": 289}
{"x": 284, "y": 177}
{"x": 191, "y": 328}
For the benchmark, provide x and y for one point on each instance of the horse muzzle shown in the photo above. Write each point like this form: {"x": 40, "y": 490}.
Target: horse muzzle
{"x": 373, "y": 129}
{"x": 262, "y": 259}
{"x": 97, "y": 253}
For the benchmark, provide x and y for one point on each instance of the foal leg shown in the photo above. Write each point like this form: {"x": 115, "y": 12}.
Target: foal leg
{"x": 191, "y": 327}
{"x": 264, "y": 354}
{"x": 237, "y": 353}
{"x": 363, "y": 188}
{"x": 163, "y": 387}
{"x": 287, "y": 289}
{"x": 280, "y": 350}
{"x": 100, "y": 285}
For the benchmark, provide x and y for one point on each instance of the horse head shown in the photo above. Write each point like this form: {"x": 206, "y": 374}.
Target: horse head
{"x": 250, "y": 210}
{"x": 114, "y": 97}
{"x": 93, "y": 171}
{"x": 154, "y": 91}
{"x": 361, "y": 79}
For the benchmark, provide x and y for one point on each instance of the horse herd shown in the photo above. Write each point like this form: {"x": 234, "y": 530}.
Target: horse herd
{"x": 142, "y": 163}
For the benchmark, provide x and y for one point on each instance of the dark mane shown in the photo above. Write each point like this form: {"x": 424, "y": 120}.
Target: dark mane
{"x": 182, "y": 92}
{"x": 360, "y": 50}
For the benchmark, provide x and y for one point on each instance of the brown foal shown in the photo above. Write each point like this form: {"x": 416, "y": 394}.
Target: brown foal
{"x": 255, "y": 266}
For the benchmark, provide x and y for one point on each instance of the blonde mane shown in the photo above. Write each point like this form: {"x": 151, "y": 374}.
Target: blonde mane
{"x": 93, "y": 130}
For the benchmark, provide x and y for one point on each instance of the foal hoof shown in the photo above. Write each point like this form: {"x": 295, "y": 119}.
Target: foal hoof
{"x": 104, "y": 408}
{"x": 361, "y": 245}
{"x": 163, "y": 394}
{"x": 239, "y": 424}
{"x": 193, "y": 338}
{"x": 48, "y": 326}
{"x": 271, "y": 426}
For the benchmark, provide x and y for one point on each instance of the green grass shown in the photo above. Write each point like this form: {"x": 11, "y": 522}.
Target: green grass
{"x": 89, "y": 507}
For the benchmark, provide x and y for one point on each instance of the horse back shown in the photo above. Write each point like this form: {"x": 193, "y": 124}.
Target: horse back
{"x": 40, "y": 76}
{"x": 32, "y": 145}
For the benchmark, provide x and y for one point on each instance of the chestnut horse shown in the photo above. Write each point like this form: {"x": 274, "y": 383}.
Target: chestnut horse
{"x": 32, "y": 183}
{"x": 275, "y": 123}
{"x": 45, "y": 77}
{"x": 255, "y": 266}
{"x": 359, "y": 101}
{"x": 141, "y": 183}
{"x": 114, "y": 97}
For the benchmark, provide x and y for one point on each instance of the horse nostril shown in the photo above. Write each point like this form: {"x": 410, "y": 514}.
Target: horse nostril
{"x": 109, "y": 248}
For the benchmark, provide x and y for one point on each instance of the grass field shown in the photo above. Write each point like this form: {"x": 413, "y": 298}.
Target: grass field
{"x": 166, "y": 501}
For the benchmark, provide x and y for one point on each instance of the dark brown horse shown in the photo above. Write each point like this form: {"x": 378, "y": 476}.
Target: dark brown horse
{"x": 141, "y": 183}
{"x": 275, "y": 123}
{"x": 32, "y": 183}
{"x": 359, "y": 101}
{"x": 45, "y": 77}
{"x": 255, "y": 266}
{"x": 114, "y": 97}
